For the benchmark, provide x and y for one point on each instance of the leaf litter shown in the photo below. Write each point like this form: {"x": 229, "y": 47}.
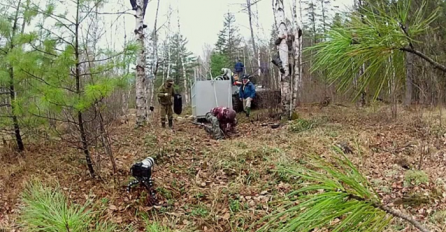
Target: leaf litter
{"x": 207, "y": 185}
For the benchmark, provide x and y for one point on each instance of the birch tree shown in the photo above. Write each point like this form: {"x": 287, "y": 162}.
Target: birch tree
{"x": 285, "y": 79}
{"x": 141, "y": 101}
{"x": 297, "y": 50}
{"x": 185, "y": 82}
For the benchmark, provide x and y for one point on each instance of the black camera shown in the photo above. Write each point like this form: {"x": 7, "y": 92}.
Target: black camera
{"x": 142, "y": 171}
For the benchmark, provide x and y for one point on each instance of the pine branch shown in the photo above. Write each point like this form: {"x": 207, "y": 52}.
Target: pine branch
{"x": 47, "y": 83}
{"x": 392, "y": 212}
{"x": 101, "y": 60}
{"x": 426, "y": 58}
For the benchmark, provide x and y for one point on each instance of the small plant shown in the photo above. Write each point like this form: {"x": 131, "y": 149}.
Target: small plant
{"x": 415, "y": 177}
{"x": 47, "y": 209}
{"x": 439, "y": 217}
{"x": 234, "y": 206}
{"x": 301, "y": 125}
{"x": 199, "y": 210}
{"x": 156, "y": 227}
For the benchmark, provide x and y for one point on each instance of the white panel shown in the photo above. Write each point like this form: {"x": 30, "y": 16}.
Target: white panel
{"x": 209, "y": 94}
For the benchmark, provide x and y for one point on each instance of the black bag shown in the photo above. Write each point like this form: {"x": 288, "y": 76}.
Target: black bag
{"x": 177, "y": 104}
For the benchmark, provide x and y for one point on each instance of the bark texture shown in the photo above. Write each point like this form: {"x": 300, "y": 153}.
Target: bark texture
{"x": 279, "y": 15}
{"x": 140, "y": 67}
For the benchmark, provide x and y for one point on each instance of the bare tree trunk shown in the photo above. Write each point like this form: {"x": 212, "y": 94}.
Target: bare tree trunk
{"x": 297, "y": 56}
{"x": 140, "y": 67}
{"x": 80, "y": 119}
{"x": 155, "y": 53}
{"x": 125, "y": 96}
{"x": 259, "y": 72}
{"x": 409, "y": 79}
{"x": 168, "y": 43}
{"x": 12, "y": 91}
{"x": 248, "y": 6}
{"x": 283, "y": 54}
{"x": 186, "y": 88}
{"x": 149, "y": 76}
{"x": 106, "y": 143}
{"x": 393, "y": 88}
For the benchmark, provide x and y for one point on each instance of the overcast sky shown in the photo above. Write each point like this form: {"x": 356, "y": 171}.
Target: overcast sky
{"x": 201, "y": 20}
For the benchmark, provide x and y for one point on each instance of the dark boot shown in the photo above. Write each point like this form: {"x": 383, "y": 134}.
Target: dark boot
{"x": 163, "y": 124}
{"x": 170, "y": 123}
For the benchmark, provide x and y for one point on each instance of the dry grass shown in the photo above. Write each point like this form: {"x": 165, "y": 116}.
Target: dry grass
{"x": 207, "y": 185}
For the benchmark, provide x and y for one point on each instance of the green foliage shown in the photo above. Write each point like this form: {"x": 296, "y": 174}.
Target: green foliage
{"x": 229, "y": 39}
{"x": 415, "y": 177}
{"x": 178, "y": 55}
{"x": 48, "y": 209}
{"x": 218, "y": 61}
{"x": 375, "y": 41}
{"x": 155, "y": 227}
{"x": 301, "y": 125}
{"x": 330, "y": 193}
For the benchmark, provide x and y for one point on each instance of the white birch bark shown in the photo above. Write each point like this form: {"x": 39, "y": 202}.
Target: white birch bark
{"x": 297, "y": 79}
{"x": 186, "y": 88}
{"x": 140, "y": 66}
{"x": 279, "y": 14}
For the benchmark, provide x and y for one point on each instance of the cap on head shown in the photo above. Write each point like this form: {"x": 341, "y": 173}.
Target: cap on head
{"x": 169, "y": 80}
{"x": 245, "y": 77}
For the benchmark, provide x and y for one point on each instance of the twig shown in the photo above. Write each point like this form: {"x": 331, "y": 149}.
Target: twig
{"x": 392, "y": 212}
{"x": 402, "y": 216}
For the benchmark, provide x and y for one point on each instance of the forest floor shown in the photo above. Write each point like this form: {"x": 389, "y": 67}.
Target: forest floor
{"x": 207, "y": 185}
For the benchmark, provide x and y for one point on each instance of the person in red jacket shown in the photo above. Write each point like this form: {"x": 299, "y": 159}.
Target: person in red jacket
{"x": 226, "y": 118}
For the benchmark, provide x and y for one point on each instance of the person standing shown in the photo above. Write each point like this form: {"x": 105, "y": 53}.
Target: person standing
{"x": 134, "y": 5}
{"x": 226, "y": 73}
{"x": 239, "y": 68}
{"x": 247, "y": 93}
{"x": 165, "y": 95}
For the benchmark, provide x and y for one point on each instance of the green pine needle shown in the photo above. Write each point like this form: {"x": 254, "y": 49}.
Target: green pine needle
{"x": 336, "y": 196}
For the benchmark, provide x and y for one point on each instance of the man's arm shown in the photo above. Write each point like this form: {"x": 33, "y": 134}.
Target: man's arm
{"x": 253, "y": 90}
{"x": 161, "y": 92}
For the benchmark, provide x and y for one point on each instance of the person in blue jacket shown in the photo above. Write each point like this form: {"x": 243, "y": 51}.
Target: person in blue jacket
{"x": 247, "y": 93}
{"x": 239, "y": 68}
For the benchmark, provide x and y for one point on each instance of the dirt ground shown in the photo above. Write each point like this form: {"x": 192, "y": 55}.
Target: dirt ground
{"x": 207, "y": 185}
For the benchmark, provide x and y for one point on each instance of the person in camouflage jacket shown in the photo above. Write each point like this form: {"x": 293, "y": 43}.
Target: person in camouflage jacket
{"x": 223, "y": 120}
{"x": 165, "y": 95}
